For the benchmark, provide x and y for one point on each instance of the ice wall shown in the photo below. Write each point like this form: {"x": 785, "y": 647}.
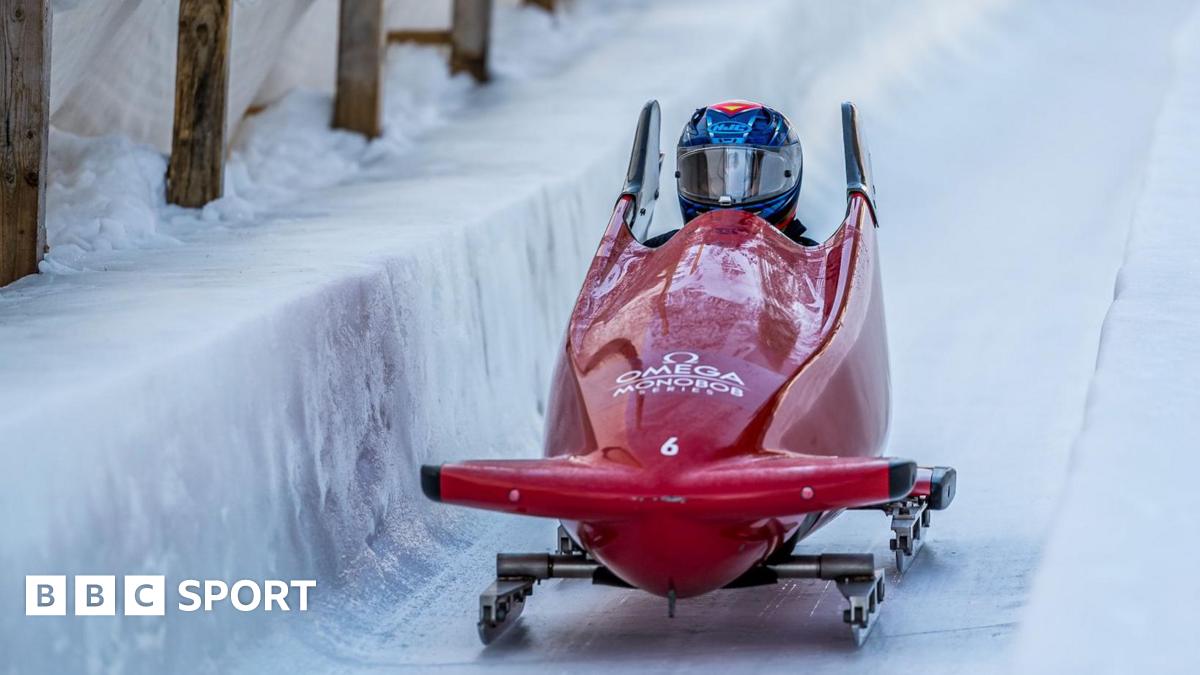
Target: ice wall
{"x": 1117, "y": 590}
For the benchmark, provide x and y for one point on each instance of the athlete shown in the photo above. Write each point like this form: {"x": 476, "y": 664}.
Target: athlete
{"x": 740, "y": 155}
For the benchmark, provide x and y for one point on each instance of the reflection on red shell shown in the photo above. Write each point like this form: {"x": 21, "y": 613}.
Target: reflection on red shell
{"x": 728, "y": 341}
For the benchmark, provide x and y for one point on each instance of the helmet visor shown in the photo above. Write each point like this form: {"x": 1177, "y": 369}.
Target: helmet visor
{"x": 740, "y": 173}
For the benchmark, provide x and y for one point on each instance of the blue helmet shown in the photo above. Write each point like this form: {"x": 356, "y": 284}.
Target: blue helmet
{"x": 741, "y": 155}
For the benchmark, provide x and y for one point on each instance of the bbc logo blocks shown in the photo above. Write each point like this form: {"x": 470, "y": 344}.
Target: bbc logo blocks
{"x": 146, "y": 595}
{"x": 45, "y": 595}
{"x": 96, "y": 595}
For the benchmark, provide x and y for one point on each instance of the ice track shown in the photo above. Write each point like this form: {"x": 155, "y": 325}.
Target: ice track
{"x": 1009, "y": 156}
{"x": 267, "y": 416}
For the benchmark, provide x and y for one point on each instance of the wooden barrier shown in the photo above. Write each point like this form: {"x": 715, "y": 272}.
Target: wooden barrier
{"x": 467, "y": 37}
{"x": 358, "y": 103}
{"x": 25, "y": 99}
{"x": 419, "y": 37}
{"x": 196, "y": 171}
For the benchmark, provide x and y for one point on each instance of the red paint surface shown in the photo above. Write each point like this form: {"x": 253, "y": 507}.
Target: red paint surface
{"x": 736, "y": 106}
{"x": 702, "y": 387}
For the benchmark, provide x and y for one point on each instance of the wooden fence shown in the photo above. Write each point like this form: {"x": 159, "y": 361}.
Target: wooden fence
{"x": 25, "y": 94}
{"x": 196, "y": 169}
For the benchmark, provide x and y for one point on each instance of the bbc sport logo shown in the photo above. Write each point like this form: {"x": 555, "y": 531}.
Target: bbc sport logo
{"x": 146, "y": 595}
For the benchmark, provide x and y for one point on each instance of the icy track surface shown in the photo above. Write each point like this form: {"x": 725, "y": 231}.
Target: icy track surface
{"x": 1122, "y": 552}
{"x": 254, "y": 402}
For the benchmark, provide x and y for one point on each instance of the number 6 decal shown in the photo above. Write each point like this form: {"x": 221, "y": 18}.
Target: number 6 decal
{"x": 671, "y": 447}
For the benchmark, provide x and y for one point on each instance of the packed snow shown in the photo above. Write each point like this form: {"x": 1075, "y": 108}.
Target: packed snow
{"x": 246, "y": 390}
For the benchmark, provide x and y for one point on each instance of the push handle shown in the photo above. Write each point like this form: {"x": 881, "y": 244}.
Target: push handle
{"x": 858, "y": 157}
{"x": 645, "y": 163}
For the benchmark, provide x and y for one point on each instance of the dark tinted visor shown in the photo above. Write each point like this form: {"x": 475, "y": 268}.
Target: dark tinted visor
{"x": 740, "y": 172}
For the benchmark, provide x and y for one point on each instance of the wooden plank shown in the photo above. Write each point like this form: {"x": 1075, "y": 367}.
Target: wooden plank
{"x": 547, "y": 5}
{"x": 419, "y": 37}
{"x": 470, "y": 34}
{"x": 196, "y": 170}
{"x": 359, "y": 101}
{"x": 25, "y": 99}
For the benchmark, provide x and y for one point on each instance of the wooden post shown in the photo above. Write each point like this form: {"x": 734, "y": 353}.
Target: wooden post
{"x": 25, "y": 98}
{"x": 419, "y": 37}
{"x": 359, "y": 100}
{"x": 469, "y": 38}
{"x": 196, "y": 171}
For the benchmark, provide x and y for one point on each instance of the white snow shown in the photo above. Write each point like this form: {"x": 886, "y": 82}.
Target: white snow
{"x": 102, "y": 194}
{"x": 246, "y": 391}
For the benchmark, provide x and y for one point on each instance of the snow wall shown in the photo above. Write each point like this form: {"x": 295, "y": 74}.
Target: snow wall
{"x": 256, "y": 402}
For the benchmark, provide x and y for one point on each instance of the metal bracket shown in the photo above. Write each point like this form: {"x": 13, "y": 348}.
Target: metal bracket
{"x": 567, "y": 545}
{"x": 864, "y": 595}
{"x": 516, "y": 575}
{"x": 856, "y": 576}
{"x": 909, "y": 519}
{"x": 501, "y": 604}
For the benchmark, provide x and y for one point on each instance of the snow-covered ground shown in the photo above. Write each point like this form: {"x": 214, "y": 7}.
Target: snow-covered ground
{"x": 251, "y": 397}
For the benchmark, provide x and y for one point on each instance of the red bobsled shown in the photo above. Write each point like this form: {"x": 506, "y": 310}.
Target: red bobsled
{"x": 717, "y": 399}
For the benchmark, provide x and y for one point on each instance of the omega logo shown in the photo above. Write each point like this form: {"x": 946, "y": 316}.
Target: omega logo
{"x": 681, "y": 372}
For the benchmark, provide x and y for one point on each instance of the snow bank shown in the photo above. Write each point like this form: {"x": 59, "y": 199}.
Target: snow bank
{"x": 102, "y": 194}
{"x": 1117, "y": 590}
{"x": 107, "y": 193}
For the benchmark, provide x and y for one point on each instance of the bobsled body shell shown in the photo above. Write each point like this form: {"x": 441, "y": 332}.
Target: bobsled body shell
{"x": 729, "y": 343}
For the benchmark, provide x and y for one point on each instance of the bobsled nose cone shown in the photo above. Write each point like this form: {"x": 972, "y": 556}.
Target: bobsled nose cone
{"x": 666, "y": 554}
